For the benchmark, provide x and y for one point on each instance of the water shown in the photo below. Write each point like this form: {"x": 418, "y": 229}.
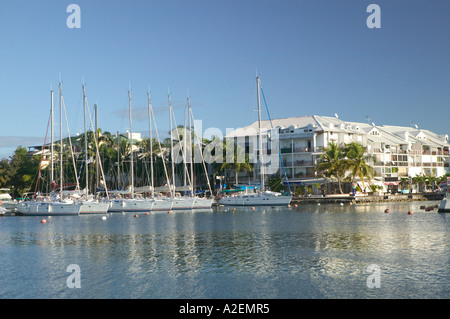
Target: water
{"x": 311, "y": 251}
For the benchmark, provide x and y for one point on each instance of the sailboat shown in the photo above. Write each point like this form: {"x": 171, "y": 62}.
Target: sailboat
{"x": 185, "y": 202}
{"x": 160, "y": 202}
{"x": 131, "y": 203}
{"x": 199, "y": 202}
{"x": 178, "y": 202}
{"x": 90, "y": 205}
{"x": 56, "y": 204}
{"x": 262, "y": 197}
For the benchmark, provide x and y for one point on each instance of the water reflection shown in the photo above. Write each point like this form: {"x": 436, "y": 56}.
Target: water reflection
{"x": 308, "y": 252}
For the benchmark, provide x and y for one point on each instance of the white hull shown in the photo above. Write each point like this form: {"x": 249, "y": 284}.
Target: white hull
{"x": 202, "y": 203}
{"x": 94, "y": 207}
{"x": 2, "y": 210}
{"x": 256, "y": 200}
{"x": 182, "y": 203}
{"x": 32, "y": 208}
{"x": 444, "y": 207}
{"x": 130, "y": 205}
{"x": 162, "y": 204}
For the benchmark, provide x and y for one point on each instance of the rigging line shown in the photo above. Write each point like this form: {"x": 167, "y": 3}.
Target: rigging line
{"x": 42, "y": 156}
{"x": 279, "y": 153}
{"x": 160, "y": 148}
{"x": 201, "y": 153}
{"x": 71, "y": 147}
{"x": 97, "y": 152}
{"x": 181, "y": 147}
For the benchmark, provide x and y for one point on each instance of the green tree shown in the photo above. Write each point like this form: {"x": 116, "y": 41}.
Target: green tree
{"x": 236, "y": 164}
{"x": 358, "y": 162}
{"x": 23, "y": 171}
{"x": 333, "y": 163}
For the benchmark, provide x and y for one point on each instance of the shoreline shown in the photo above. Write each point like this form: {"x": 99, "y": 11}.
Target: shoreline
{"x": 386, "y": 198}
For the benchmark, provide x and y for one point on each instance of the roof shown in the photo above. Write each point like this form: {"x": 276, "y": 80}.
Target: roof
{"x": 390, "y": 134}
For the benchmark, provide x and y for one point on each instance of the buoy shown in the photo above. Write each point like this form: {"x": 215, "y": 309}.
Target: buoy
{"x": 136, "y": 215}
{"x": 318, "y": 204}
{"x": 387, "y": 211}
{"x": 147, "y": 213}
{"x": 253, "y": 208}
{"x": 350, "y": 203}
{"x": 410, "y": 212}
{"x": 43, "y": 221}
{"x": 342, "y": 204}
{"x": 295, "y": 205}
{"x": 169, "y": 212}
{"x": 103, "y": 217}
{"x": 289, "y": 205}
{"x": 234, "y": 209}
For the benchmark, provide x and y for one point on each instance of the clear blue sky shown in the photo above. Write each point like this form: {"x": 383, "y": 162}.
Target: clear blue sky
{"x": 314, "y": 57}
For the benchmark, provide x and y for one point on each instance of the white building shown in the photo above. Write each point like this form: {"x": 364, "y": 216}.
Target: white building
{"x": 399, "y": 151}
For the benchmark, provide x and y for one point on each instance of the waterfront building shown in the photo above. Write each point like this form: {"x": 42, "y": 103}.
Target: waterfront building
{"x": 399, "y": 151}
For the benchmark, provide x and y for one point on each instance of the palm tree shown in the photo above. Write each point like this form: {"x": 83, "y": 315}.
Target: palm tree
{"x": 236, "y": 165}
{"x": 333, "y": 163}
{"x": 358, "y": 162}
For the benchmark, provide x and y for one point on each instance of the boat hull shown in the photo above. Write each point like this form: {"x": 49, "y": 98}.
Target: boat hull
{"x": 255, "y": 200}
{"x": 48, "y": 208}
{"x": 202, "y": 203}
{"x": 162, "y": 204}
{"x": 129, "y": 205}
{"x": 89, "y": 207}
{"x": 182, "y": 203}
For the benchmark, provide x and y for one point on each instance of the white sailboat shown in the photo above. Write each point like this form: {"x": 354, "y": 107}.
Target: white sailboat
{"x": 131, "y": 203}
{"x": 262, "y": 197}
{"x": 187, "y": 202}
{"x": 160, "y": 202}
{"x": 89, "y": 204}
{"x": 199, "y": 202}
{"x": 55, "y": 204}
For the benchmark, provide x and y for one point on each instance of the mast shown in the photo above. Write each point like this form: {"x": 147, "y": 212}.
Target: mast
{"x": 85, "y": 143}
{"x": 97, "y": 160}
{"x": 131, "y": 147}
{"x": 171, "y": 149}
{"x": 151, "y": 143}
{"x": 118, "y": 160}
{"x": 191, "y": 161}
{"x": 261, "y": 165}
{"x": 52, "y": 177}
{"x": 60, "y": 143}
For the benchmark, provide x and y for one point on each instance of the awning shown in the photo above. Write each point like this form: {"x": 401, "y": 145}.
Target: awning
{"x": 390, "y": 183}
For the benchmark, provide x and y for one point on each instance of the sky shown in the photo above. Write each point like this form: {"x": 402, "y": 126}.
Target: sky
{"x": 314, "y": 57}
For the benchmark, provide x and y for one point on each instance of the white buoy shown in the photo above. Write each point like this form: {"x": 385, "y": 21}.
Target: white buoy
{"x": 103, "y": 217}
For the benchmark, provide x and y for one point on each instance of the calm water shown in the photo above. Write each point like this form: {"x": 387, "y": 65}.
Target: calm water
{"x": 306, "y": 252}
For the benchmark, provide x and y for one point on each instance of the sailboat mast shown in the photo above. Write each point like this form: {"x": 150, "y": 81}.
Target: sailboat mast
{"x": 97, "y": 158}
{"x": 85, "y": 142}
{"x": 261, "y": 165}
{"x": 171, "y": 149}
{"x": 150, "y": 141}
{"x": 52, "y": 177}
{"x": 191, "y": 160}
{"x": 60, "y": 143}
{"x": 131, "y": 147}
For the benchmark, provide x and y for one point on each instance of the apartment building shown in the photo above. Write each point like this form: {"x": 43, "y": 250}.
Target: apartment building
{"x": 399, "y": 151}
